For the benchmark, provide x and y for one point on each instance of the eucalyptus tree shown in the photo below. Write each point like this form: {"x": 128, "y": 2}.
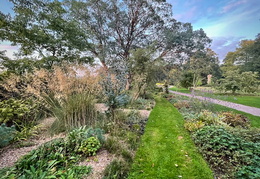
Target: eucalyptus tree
{"x": 117, "y": 27}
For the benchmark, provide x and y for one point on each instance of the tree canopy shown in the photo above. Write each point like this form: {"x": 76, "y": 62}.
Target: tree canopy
{"x": 74, "y": 30}
{"x": 245, "y": 58}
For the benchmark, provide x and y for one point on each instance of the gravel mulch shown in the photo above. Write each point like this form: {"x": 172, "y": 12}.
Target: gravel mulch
{"x": 10, "y": 154}
{"x": 98, "y": 163}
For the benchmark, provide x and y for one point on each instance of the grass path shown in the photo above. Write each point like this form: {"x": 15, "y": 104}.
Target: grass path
{"x": 166, "y": 150}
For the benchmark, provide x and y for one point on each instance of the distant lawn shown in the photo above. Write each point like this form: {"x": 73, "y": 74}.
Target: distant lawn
{"x": 166, "y": 149}
{"x": 253, "y": 101}
{"x": 181, "y": 90}
{"x": 247, "y": 100}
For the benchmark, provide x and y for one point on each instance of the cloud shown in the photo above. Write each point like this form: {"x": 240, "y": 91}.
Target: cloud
{"x": 232, "y": 5}
{"x": 192, "y": 2}
{"x": 7, "y": 47}
{"x": 222, "y": 45}
{"x": 187, "y": 16}
{"x": 10, "y": 50}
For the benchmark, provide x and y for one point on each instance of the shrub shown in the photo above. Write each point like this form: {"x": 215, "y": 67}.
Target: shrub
{"x": 59, "y": 80}
{"x": 112, "y": 144}
{"x": 158, "y": 89}
{"x": 127, "y": 155}
{"x": 84, "y": 140}
{"x": 235, "y": 120}
{"x": 197, "y": 105}
{"x": 210, "y": 118}
{"x": 225, "y": 152}
{"x": 173, "y": 100}
{"x": 18, "y": 111}
{"x": 186, "y": 80}
{"x": 133, "y": 140}
{"x": 182, "y": 104}
{"x": 189, "y": 115}
{"x": 134, "y": 116}
{"x": 7, "y": 134}
{"x": 89, "y": 146}
{"x": 141, "y": 103}
{"x": 250, "y": 134}
{"x": 194, "y": 125}
{"x": 25, "y": 131}
{"x": 251, "y": 171}
{"x": 50, "y": 160}
{"x": 58, "y": 158}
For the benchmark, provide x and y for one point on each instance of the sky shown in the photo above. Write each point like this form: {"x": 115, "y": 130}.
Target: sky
{"x": 226, "y": 22}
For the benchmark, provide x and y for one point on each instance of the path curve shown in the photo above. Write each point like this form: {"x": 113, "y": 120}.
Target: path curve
{"x": 251, "y": 110}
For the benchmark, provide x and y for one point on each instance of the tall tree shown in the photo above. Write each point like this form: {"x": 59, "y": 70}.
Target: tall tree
{"x": 44, "y": 28}
{"x": 202, "y": 64}
{"x": 245, "y": 58}
{"x": 117, "y": 27}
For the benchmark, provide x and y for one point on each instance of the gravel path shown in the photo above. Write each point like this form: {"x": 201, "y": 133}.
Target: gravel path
{"x": 10, "y": 154}
{"x": 251, "y": 110}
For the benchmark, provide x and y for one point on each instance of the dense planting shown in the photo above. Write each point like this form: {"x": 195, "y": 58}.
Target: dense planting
{"x": 59, "y": 158}
{"x": 228, "y": 155}
{"x": 18, "y": 111}
{"x": 7, "y": 134}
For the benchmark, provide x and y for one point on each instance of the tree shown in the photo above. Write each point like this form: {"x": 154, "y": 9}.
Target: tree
{"x": 249, "y": 82}
{"x": 180, "y": 41}
{"x": 107, "y": 30}
{"x": 229, "y": 63}
{"x": 186, "y": 80}
{"x": 201, "y": 64}
{"x": 142, "y": 66}
{"x": 118, "y": 27}
{"x": 245, "y": 58}
{"x": 231, "y": 82}
{"x": 45, "y": 29}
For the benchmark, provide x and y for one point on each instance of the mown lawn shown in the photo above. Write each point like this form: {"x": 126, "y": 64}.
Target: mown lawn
{"x": 181, "y": 90}
{"x": 166, "y": 149}
{"x": 253, "y": 101}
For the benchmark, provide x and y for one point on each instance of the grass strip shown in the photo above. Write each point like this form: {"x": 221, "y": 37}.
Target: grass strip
{"x": 166, "y": 149}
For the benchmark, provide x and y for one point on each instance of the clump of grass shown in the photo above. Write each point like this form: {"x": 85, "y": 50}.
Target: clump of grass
{"x": 72, "y": 111}
{"x": 117, "y": 169}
